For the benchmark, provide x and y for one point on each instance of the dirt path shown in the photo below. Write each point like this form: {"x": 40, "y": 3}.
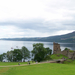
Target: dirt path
{"x": 52, "y": 61}
{"x": 27, "y": 64}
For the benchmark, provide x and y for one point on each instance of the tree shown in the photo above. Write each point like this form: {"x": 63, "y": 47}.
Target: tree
{"x": 49, "y": 51}
{"x": 17, "y": 55}
{"x": 4, "y": 55}
{"x": 10, "y": 55}
{"x": 39, "y": 52}
{"x": 1, "y": 57}
{"x": 66, "y": 49}
{"x": 25, "y": 53}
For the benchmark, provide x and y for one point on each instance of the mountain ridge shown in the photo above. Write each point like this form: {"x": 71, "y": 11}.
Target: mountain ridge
{"x": 70, "y": 37}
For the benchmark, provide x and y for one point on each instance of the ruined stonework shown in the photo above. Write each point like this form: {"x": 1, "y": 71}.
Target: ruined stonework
{"x": 57, "y": 50}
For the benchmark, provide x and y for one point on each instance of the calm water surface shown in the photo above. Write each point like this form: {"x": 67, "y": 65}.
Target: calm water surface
{"x": 6, "y": 45}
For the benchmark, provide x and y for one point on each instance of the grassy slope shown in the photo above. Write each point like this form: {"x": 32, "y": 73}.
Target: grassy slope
{"x": 60, "y": 56}
{"x": 57, "y": 56}
{"x": 42, "y": 69}
{"x": 39, "y": 69}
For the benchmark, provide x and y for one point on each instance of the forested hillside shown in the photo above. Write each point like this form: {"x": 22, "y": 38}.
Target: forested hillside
{"x": 60, "y": 38}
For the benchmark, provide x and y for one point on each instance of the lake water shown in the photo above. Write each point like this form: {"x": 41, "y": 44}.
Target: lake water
{"x": 6, "y": 45}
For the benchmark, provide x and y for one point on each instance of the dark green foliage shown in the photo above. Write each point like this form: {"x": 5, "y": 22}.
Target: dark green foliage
{"x": 49, "y": 51}
{"x": 48, "y": 57}
{"x": 4, "y": 55}
{"x": 10, "y": 55}
{"x": 39, "y": 52}
{"x": 17, "y": 55}
{"x": 66, "y": 49}
{"x": 1, "y": 57}
{"x": 25, "y": 53}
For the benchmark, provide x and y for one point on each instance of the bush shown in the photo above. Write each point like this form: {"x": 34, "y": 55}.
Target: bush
{"x": 48, "y": 57}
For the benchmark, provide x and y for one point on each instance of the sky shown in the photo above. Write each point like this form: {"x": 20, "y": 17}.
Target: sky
{"x": 36, "y": 18}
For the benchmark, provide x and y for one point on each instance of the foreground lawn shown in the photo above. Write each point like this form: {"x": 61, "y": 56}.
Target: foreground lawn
{"x": 40, "y": 69}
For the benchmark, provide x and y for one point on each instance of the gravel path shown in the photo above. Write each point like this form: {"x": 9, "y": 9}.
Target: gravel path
{"x": 52, "y": 61}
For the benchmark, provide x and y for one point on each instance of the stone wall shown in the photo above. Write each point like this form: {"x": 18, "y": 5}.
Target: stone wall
{"x": 64, "y": 52}
{"x": 57, "y": 50}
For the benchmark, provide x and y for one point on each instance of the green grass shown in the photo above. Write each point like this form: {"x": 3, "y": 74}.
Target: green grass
{"x": 71, "y": 51}
{"x": 68, "y": 68}
{"x": 69, "y": 61}
{"x": 42, "y": 69}
{"x": 11, "y": 63}
{"x": 3, "y": 70}
{"x": 60, "y": 56}
{"x": 57, "y": 56}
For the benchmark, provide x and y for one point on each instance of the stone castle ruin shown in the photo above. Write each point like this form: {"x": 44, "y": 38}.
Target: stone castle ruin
{"x": 56, "y": 50}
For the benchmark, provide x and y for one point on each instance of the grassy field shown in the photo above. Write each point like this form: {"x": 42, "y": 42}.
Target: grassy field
{"x": 12, "y": 68}
{"x": 11, "y": 63}
{"x": 40, "y": 69}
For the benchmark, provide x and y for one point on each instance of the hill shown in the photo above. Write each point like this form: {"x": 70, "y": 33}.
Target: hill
{"x": 60, "y": 38}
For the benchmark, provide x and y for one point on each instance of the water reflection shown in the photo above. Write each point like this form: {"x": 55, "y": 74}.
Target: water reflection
{"x": 6, "y": 45}
{"x": 67, "y": 45}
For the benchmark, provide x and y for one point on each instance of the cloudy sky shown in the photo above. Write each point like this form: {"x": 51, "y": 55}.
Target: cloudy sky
{"x": 36, "y": 18}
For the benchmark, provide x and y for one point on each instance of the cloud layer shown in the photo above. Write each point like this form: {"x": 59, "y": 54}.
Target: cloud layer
{"x": 36, "y": 18}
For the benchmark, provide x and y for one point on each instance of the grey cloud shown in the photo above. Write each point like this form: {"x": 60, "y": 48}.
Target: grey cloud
{"x": 38, "y": 25}
{"x": 69, "y": 23}
{"x": 62, "y": 4}
{"x": 43, "y": 26}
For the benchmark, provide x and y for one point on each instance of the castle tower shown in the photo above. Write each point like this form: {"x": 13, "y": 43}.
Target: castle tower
{"x": 56, "y": 48}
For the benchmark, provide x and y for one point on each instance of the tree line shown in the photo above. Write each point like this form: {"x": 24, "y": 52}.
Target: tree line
{"x": 39, "y": 53}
